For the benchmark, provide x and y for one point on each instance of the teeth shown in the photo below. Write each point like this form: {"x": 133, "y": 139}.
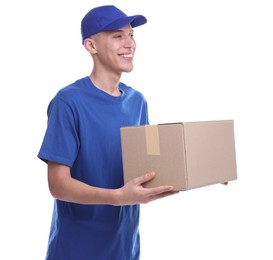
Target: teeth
{"x": 128, "y": 55}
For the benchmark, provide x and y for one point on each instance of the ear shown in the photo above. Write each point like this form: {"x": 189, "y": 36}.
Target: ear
{"x": 90, "y": 45}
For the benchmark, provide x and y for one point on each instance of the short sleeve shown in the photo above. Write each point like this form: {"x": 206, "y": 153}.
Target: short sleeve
{"x": 61, "y": 141}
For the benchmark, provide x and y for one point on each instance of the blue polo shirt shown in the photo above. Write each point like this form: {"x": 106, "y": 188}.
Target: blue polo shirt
{"x": 83, "y": 132}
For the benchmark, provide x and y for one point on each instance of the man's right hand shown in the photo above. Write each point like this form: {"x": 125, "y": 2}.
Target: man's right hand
{"x": 133, "y": 192}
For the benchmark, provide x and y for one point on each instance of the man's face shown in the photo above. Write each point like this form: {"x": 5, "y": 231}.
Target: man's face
{"x": 115, "y": 49}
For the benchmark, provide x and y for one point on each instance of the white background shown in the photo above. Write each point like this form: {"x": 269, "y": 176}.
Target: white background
{"x": 196, "y": 60}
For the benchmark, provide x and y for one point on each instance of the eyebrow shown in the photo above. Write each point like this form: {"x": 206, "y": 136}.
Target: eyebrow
{"x": 119, "y": 30}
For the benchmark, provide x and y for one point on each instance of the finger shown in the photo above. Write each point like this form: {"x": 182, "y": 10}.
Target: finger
{"x": 144, "y": 178}
{"x": 159, "y": 190}
{"x": 162, "y": 195}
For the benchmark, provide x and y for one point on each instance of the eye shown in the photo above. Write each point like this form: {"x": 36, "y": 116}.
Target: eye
{"x": 118, "y": 36}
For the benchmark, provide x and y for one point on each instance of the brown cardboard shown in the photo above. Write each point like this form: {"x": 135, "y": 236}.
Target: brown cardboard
{"x": 186, "y": 155}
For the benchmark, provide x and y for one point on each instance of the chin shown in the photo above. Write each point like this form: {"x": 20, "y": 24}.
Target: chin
{"x": 127, "y": 69}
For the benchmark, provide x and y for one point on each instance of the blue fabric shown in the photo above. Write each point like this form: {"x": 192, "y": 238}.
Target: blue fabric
{"x": 107, "y": 18}
{"x": 83, "y": 132}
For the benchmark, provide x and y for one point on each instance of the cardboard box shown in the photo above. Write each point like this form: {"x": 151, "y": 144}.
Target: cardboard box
{"x": 186, "y": 155}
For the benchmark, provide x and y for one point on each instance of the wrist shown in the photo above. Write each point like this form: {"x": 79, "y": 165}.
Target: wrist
{"x": 117, "y": 197}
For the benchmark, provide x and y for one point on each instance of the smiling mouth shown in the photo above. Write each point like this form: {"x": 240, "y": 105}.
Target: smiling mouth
{"x": 127, "y": 55}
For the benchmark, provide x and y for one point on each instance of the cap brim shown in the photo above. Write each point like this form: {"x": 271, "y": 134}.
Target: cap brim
{"x": 135, "y": 20}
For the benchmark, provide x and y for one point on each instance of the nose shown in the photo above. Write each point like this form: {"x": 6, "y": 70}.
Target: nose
{"x": 130, "y": 42}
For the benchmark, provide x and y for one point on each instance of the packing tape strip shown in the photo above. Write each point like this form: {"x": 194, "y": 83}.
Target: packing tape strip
{"x": 152, "y": 140}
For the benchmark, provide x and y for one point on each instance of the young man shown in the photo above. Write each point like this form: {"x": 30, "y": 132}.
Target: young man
{"x": 95, "y": 215}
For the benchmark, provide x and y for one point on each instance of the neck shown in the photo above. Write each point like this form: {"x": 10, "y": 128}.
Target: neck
{"x": 108, "y": 84}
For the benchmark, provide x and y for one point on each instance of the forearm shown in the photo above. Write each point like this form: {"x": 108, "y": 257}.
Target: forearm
{"x": 63, "y": 187}
{"x": 78, "y": 192}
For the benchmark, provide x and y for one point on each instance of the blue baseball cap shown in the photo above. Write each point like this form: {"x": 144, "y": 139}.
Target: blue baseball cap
{"x": 107, "y": 18}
